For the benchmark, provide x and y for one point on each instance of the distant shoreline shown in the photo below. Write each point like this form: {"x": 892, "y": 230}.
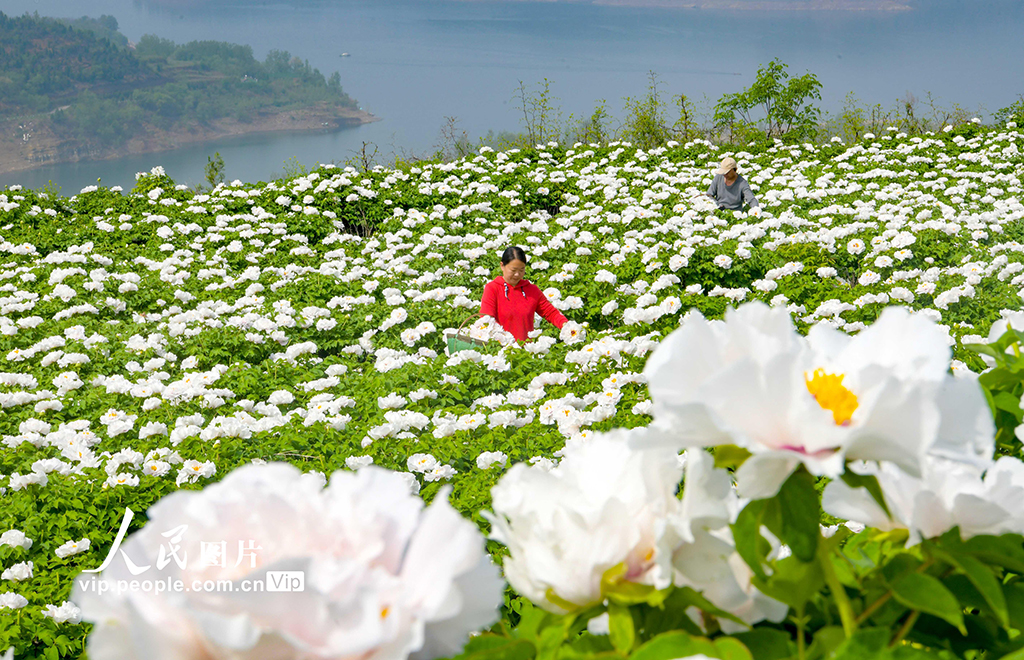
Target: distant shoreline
{"x": 42, "y": 148}
{"x": 745, "y": 5}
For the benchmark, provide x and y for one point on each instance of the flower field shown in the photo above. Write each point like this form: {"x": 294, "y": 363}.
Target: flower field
{"x": 152, "y": 341}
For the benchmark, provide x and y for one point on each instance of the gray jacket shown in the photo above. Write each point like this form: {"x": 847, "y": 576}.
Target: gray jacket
{"x": 734, "y": 196}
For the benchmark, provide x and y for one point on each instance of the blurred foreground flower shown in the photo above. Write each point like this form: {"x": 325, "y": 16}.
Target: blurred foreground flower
{"x": 383, "y": 576}
{"x": 605, "y": 507}
{"x": 754, "y": 382}
{"x": 948, "y": 494}
{"x": 707, "y": 561}
{"x": 607, "y": 520}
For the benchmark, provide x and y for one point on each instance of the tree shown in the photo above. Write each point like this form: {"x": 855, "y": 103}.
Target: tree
{"x": 646, "y": 125}
{"x": 785, "y": 103}
{"x": 595, "y": 129}
{"x": 541, "y": 118}
{"x": 153, "y": 46}
{"x": 1012, "y": 112}
{"x": 214, "y": 170}
{"x": 687, "y": 127}
{"x": 109, "y": 22}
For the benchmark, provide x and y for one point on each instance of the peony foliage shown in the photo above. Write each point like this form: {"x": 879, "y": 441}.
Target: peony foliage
{"x": 794, "y": 434}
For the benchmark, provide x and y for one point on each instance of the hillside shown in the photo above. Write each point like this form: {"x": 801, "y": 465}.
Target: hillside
{"x": 69, "y": 92}
{"x": 153, "y": 341}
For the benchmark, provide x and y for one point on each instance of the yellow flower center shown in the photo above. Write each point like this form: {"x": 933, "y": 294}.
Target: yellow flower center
{"x": 830, "y": 393}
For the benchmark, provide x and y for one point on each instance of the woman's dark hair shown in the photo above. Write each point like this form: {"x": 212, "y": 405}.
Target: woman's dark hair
{"x": 511, "y": 254}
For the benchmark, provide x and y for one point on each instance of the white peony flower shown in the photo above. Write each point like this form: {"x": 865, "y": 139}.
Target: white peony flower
{"x": 752, "y": 381}
{"x": 600, "y": 515}
{"x": 156, "y": 468}
{"x": 391, "y": 401}
{"x": 66, "y": 612}
{"x": 18, "y": 572}
{"x": 191, "y": 471}
{"x": 440, "y": 473}
{"x": 708, "y": 561}
{"x": 281, "y": 397}
{"x": 384, "y": 576}
{"x": 152, "y": 428}
{"x": 70, "y": 548}
{"x": 358, "y": 462}
{"x": 947, "y": 494}
{"x": 488, "y": 459}
{"x": 15, "y": 539}
{"x": 421, "y": 463}
{"x": 12, "y": 601}
{"x": 572, "y": 333}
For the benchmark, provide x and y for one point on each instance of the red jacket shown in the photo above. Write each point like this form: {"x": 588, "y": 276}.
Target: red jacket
{"x": 514, "y": 307}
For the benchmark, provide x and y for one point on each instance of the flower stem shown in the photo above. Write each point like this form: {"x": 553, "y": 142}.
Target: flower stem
{"x": 836, "y": 587}
{"x": 873, "y": 607}
{"x": 905, "y": 628}
{"x": 800, "y": 642}
{"x": 884, "y": 598}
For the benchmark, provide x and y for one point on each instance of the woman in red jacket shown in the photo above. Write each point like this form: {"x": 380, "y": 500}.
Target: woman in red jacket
{"x": 512, "y": 300}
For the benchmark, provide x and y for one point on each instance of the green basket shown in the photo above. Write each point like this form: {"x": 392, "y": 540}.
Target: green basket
{"x": 463, "y": 342}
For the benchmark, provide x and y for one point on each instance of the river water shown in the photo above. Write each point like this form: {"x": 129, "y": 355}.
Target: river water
{"x": 414, "y": 63}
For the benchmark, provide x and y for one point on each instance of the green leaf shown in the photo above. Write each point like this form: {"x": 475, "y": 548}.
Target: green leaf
{"x": 1014, "y": 655}
{"x": 1006, "y": 550}
{"x": 531, "y": 620}
{"x": 671, "y": 615}
{"x": 1008, "y": 402}
{"x": 925, "y": 593}
{"x": 899, "y": 565}
{"x": 728, "y": 648}
{"x": 985, "y": 582}
{"x": 671, "y": 645}
{"x": 985, "y": 349}
{"x": 1014, "y": 594}
{"x": 621, "y": 631}
{"x": 826, "y": 641}
{"x": 870, "y": 483}
{"x": 873, "y": 644}
{"x": 587, "y": 646}
{"x": 793, "y": 582}
{"x": 768, "y": 643}
{"x": 747, "y": 534}
{"x": 688, "y": 596}
{"x": 553, "y": 636}
{"x": 801, "y": 517}
{"x": 500, "y": 648}
{"x": 730, "y": 456}
{"x": 484, "y": 642}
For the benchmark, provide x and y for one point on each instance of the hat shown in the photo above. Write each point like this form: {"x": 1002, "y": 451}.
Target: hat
{"x": 728, "y": 163}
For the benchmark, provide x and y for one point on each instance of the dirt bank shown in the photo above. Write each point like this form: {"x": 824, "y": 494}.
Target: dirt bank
{"x": 30, "y": 142}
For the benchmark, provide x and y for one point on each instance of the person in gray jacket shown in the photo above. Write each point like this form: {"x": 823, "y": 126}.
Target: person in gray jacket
{"x": 730, "y": 190}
